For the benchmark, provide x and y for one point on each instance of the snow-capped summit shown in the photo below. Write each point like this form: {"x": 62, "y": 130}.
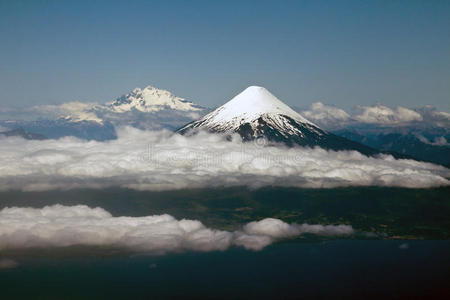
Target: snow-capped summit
{"x": 151, "y": 99}
{"x": 256, "y": 113}
{"x": 252, "y": 110}
{"x": 251, "y": 104}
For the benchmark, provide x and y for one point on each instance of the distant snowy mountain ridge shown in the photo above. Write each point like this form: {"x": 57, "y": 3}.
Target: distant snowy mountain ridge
{"x": 151, "y": 99}
{"x": 149, "y": 109}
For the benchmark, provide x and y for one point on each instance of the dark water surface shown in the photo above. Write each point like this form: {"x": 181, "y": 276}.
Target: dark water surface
{"x": 382, "y": 268}
{"x": 339, "y": 269}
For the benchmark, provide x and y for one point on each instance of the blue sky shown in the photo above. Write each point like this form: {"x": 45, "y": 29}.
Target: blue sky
{"x": 343, "y": 53}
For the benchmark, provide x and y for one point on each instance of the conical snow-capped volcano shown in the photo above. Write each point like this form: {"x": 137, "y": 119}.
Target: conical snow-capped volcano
{"x": 256, "y": 113}
{"x": 250, "y": 107}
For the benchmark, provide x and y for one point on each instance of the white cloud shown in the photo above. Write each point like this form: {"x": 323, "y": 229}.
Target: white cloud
{"x": 155, "y": 118}
{"x": 380, "y": 114}
{"x": 327, "y": 116}
{"x": 256, "y": 235}
{"x": 441, "y": 114}
{"x": 64, "y": 226}
{"x": 75, "y": 111}
{"x": 330, "y": 117}
{"x": 434, "y": 117}
{"x": 163, "y": 161}
{"x": 437, "y": 141}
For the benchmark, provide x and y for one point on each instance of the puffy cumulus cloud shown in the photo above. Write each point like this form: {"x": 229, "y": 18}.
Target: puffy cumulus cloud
{"x": 437, "y": 141}
{"x": 64, "y": 226}
{"x": 145, "y": 160}
{"x": 435, "y": 117}
{"x": 276, "y": 228}
{"x": 327, "y": 116}
{"x": 383, "y": 115}
{"x": 441, "y": 115}
{"x": 75, "y": 111}
{"x": 256, "y": 235}
{"x": 330, "y": 117}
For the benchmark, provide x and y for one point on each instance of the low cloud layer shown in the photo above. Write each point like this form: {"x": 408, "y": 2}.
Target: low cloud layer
{"x": 163, "y": 161}
{"x": 76, "y": 113}
{"x": 64, "y": 226}
{"x": 331, "y": 117}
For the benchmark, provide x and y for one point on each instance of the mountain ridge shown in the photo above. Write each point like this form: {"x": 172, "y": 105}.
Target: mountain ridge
{"x": 151, "y": 99}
